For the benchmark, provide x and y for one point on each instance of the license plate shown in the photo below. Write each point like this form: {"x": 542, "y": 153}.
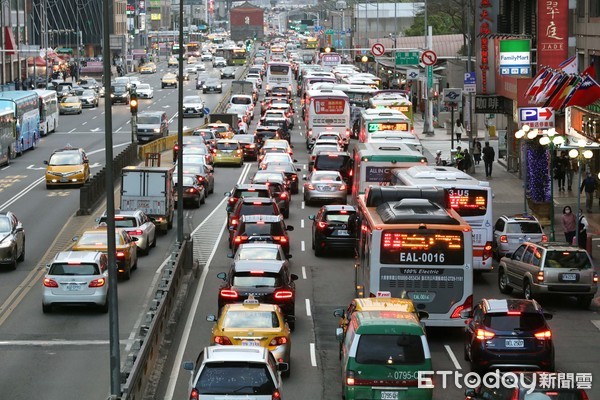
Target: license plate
{"x": 73, "y": 288}
{"x": 389, "y": 395}
{"x": 343, "y": 233}
{"x": 514, "y": 343}
{"x": 421, "y": 297}
{"x": 64, "y": 180}
{"x": 569, "y": 277}
{"x": 250, "y": 343}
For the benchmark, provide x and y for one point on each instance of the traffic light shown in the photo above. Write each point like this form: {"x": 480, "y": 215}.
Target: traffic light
{"x": 364, "y": 58}
{"x": 133, "y": 103}
{"x": 327, "y": 50}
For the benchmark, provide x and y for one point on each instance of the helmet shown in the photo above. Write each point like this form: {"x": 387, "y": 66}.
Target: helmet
{"x": 438, "y": 152}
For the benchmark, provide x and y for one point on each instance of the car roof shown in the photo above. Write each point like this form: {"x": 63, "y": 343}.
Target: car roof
{"x": 398, "y": 322}
{"x": 384, "y": 303}
{"x": 338, "y": 207}
{"x": 334, "y": 153}
{"x": 520, "y": 217}
{"x": 77, "y": 256}
{"x": 500, "y": 306}
{"x": 256, "y": 245}
{"x": 251, "y": 307}
{"x": 263, "y": 218}
{"x": 151, "y": 113}
{"x": 235, "y": 353}
{"x": 246, "y": 186}
{"x": 556, "y": 246}
{"x": 271, "y": 266}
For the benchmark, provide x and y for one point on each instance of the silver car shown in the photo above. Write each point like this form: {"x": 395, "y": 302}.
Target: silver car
{"x": 12, "y": 240}
{"x": 144, "y": 91}
{"x": 76, "y": 277}
{"x": 138, "y": 225}
{"x": 512, "y": 231}
{"x": 89, "y": 98}
{"x": 324, "y": 186}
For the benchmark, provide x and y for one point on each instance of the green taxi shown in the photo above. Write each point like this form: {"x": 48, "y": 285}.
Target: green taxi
{"x": 228, "y": 152}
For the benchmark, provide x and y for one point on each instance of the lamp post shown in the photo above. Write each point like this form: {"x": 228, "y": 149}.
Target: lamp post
{"x": 581, "y": 155}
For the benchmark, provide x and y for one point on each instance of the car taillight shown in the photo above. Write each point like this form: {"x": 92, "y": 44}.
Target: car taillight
{"x": 347, "y": 132}
{"x": 487, "y": 250}
{"x": 215, "y": 151}
{"x": 97, "y": 282}
{"x": 234, "y": 221}
{"x": 467, "y": 305}
{"x": 276, "y": 395}
{"x": 223, "y": 340}
{"x": 342, "y": 187}
{"x": 503, "y": 239}
{"x": 191, "y": 190}
{"x": 176, "y": 147}
{"x": 136, "y": 232}
{"x": 120, "y": 254}
{"x": 595, "y": 277}
{"x": 240, "y": 239}
{"x": 232, "y": 200}
{"x": 284, "y": 294}
{"x": 283, "y": 196}
{"x": 543, "y": 335}
{"x": 544, "y": 238}
{"x": 50, "y": 282}
{"x": 482, "y": 334}
{"x": 278, "y": 341}
{"x": 540, "y": 276}
{"x": 350, "y": 378}
{"x": 230, "y": 294}
{"x": 309, "y": 133}
{"x": 194, "y": 394}
{"x": 280, "y": 239}
{"x": 321, "y": 225}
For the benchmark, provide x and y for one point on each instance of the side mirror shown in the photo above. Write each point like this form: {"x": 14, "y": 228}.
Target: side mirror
{"x": 312, "y": 217}
{"x": 283, "y": 367}
{"x": 227, "y": 194}
{"x": 97, "y": 219}
{"x": 288, "y": 256}
{"x": 289, "y": 228}
{"x": 222, "y": 275}
{"x": 75, "y": 238}
{"x": 47, "y": 266}
{"x": 229, "y": 255}
{"x": 298, "y": 170}
{"x": 466, "y": 314}
{"x": 423, "y": 315}
{"x": 304, "y": 177}
{"x": 548, "y": 316}
{"x": 295, "y": 160}
{"x": 46, "y": 162}
{"x": 294, "y": 277}
{"x": 188, "y": 365}
{"x": 211, "y": 318}
{"x": 339, "y": 334}
{"x": 231, "y": 228}
{"x": 338, "y": 312}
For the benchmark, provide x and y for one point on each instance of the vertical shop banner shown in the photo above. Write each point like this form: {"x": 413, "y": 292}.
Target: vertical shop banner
{"x": 487, "y": 11}
{"x": 553, "y": 32}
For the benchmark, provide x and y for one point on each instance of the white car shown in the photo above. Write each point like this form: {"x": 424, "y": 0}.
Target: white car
{"x": 206, "y": 57}
{"x": 200, "y": 67}
{"x": 243, "y": 111}
{"x": 193, "y": 106}
{"x": 219, "y": 62}
{"x": 255, "y": 78}
{"x": 138, "y": 225}
{"x": 144, "y": 91}
{"x": 190, "y": 69}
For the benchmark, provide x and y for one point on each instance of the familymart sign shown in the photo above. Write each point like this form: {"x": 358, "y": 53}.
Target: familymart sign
{"x": 515, "y": 57}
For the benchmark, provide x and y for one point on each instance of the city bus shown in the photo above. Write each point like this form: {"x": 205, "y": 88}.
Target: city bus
{"x": 25, "y": 105}
{"x": 374, "y": 162}
{"x": 193, "y": 49}
{"x": 48, "y": 103}
{"x": 310, "y": 43}
{"x": 469, "y": 197}
{"x": 376, "y": 119}
{"x": 412, "y": 244}
{"x": 279, "y": 74}
{"x": 8, "y": 143}
{"x": 394, "y": 101}
{"x": 326, "y": 111}
{"x": 238, "y": 57}
{"x": 328, "y": 61}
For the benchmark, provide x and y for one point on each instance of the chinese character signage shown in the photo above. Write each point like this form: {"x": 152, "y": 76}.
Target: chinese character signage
{"x": 492, "y": 105}
{"x": 515, "y": 57}
{"x": 486, "y": 25}
{"x": 552, "y": 36}
{"x": 330, "y": 106}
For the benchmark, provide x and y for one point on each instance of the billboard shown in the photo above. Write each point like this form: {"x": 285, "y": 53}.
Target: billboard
{"x": 515, "y": 57}
{"x": 553, "y": 32}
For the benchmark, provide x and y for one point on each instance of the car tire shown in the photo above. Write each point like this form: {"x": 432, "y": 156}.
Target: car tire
{"x": 104, "y": 307}
{"x": 127, "y": 274}
{"x": 503, "y": 282}
{"x": 584, "y": 301}
{"x": 22, "y": 255}
{"x": 527, "y": 294}
{"x": 286, "y": 213}
{"x": 153, "y": 244}
{"x": 46, "y": 308}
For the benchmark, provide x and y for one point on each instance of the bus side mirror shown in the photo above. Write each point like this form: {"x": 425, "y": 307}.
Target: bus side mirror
{"x": 339, "y": 334}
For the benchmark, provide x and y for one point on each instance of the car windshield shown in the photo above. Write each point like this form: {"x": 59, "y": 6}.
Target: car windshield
{"x": 250, "y": 193}
{"x": 258, "y": 209}
{"x": 567, "y": 259}
{"x": 206, "y": 135}
{"x": 523, "y": 227}
{"x": 121, "y": 222}
{"x": 262, "y": 229}
{"x": 143, "y": 86}
{"x": 97, "y": 238}
{"x": 250, "y": 319}
{"x": 326, "y": 178}
{"x": 338, "y": 217}
{"x": 277, "y": 157}
{"x": 390, "y": 349}
{"x": 235, "y": 377}
{"x": 193, "y": 140}
{"x": 193, "y": 159}
{"x": 187, "y": 181}
{"x": 73, "y": 269}
{"x": 65, "y": 159}
{"x": 518, "y": 322}
{"x": 71, "y": 100}
{"x": 148, "y": 120}
{"x": 4, "y": 225}
{"x": 258, "y": 253}
{"x": 227, "y": 146}
{"x": 265, "y": 176}
{"x": 88, "y": 92}
{"x": 191, "y": 149}
{"x": 332, "y": 162}
{"x": 120, "y": 89}
{"x": 192, "y": 99}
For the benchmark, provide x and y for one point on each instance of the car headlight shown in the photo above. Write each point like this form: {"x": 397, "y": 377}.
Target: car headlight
{"x": 218, "y": 86}
{"x": 5, "y": 243}
{"x": 156, "y": 130}
{"x": 112, "y": 95}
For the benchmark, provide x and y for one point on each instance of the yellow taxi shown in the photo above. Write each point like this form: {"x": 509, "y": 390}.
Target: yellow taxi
{"x": 67, "y": 166}
{"x": 222, "y": 130}
{"x": 228, "y": 152}
{"x": 172, "y": 62}
{"x": 384, "y": 302}
{"x": 70, "y": 105}
{"x": 168, "y": 79}
{"x": 97, "y": 240}
{"x": 148, "y": 68}
{"x": 253, "y": 324}
{"x": 192, "y": 60}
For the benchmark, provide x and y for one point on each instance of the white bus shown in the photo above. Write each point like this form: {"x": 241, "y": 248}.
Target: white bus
{"x": 394, "y": 101}
{"x": 412, "y": 244}
{"x": 326, "y": 111}
{"x": 328, "y": 61}
{"x": 374, "y": 120}
{"x": 374, "y": 162}
{"x": 48, "y": 102}
{"x": 469, "y": 197}
{"x": 280, "y": 74}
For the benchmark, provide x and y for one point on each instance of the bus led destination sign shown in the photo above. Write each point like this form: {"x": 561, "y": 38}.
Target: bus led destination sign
{"x": 434, "y": 247}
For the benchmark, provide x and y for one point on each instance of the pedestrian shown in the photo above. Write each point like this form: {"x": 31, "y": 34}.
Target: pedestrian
{"x": 459, "y": 130}
{"x": 465, "y": 162}
{"x": 488, "y": 158}
{"x": 572, "y": 167}
{"x": 569, "y": 223}
{"x": 438, "y": 158}
{"x": 458, "y": 156}
{"x": 582, "y": 225}
{"x": 476, "y": 151}
{"x": 560, "y": 172}
{"x": 589, "y": 184}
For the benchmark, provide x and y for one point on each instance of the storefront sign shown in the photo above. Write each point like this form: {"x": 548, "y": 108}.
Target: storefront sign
{"x": 536, "y": 117}
{"x": 552, "y": 35}
{"x": 515, "y": 57}
{"x": 485, "y": 28}
{"x": 490, "y": 105}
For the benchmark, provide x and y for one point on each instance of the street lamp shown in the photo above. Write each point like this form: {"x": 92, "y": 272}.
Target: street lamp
{"x": 581, "y": 155}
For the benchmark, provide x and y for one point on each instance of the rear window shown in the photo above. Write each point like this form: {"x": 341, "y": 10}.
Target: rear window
{"x": 248, "y": 193}
{"x": 251, "y": 319}
{"x": 122, "y": 222}
{"x": 73, "y": 269}
{"x": 241, "y": 100}
{"x": 390, "y": 350}
{"x": 338, "y": 217}
{"x": 258, "y": 209}
{"x": 258, "y": 253}
{"x": 523, "y": 227}
{"x": 523, "y": 321}
{"x": 263, "y": 229}
{"x": 332, "y": 162}
{"x": 256, "y": 280}
{"x": 567, "y": 259}
{"x": 227, "y": 146}
{"x": 235, "y": 377}
{"x": 205, "y": 135}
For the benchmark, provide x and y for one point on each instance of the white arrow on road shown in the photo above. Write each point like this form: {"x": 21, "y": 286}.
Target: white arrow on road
{"x": 95, "y": 165}
{"x": 33, "y": 167}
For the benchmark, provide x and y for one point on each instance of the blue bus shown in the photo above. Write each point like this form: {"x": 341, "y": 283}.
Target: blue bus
{"x": 25, "y": 105}
{"x": 8, "y": 140}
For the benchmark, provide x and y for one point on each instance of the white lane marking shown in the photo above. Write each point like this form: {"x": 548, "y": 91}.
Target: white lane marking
{"x": 308, "y": 311}
{"x": 71, "y": 130}
{"x": 303, "y": 205}
{"x": 303, "y": 166}
{"x": 23, "y": 193}
{"x": 84, "y": 123}
{"x": 313, "y": 355}
{"x": 302, "y": 246}
{"x": 303, "y": 272}
{"x": 5, "y": 168}
{"x": 119, "y": 129}
{"x": 596, "y": 323}
{"x": 302, "y": 223}
{"x": 452, "y": 357}
{"x": 94, "y": 117}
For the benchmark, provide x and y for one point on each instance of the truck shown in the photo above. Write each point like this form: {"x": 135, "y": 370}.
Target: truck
{"x": 231, "y": 119}
{"x": 242, "y": 87}
{"x": 149, "y": 189}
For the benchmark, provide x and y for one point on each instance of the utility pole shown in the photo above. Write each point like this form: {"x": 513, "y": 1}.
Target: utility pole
{"x": 427, "y": 125}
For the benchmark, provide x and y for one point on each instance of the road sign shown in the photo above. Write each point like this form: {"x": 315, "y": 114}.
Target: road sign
{"x": 429, "y": 57}
{"x": 329, "y": 32}
{"x": 407, "y": 58}
{"x": 536, "y": 117}
{"x": 470, "y": 82}
{"x": 453, "y": 95}
{"x": 377, "y": 49}
{"x": 412, "y": 74}
{"x": 429, "y": 76}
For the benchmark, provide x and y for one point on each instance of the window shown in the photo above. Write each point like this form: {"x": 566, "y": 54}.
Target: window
{"x": 567, "y": 259}
{"x": 251, "y": 319}
{"x": 235, "y": 377}
{"x": 73, "y": 269}
{"x": 523, "y": 322}
{"x": 528, "y": 255}
{"x": 524, "y": 227}
{"x": 518, "y": 254}
{"x": 390, "y": 349}
{"x": 499, "y": 225}
{"x": 594, "y": 9}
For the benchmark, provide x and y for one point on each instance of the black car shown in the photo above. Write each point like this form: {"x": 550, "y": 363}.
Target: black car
{"x": 119, "y": 94}
{"x": 278, "y": 122}
{"x": 333, "y": 229}
{"x": 278, "y": 189}
{"x": 263, "y": 133}
{"x": 251, "y": 206}
{"x": 289, "y": 170}
{"x": 249, "y": 146}
{"x": 508, "y": 333}
{"x": 201, "y": 80}
{"x": 193, "y": 191}
{"x": 212, "y": 85}
{"x": 204, "y": 175}
{"x": 262, "y": 229}
{"x": 340, "y": 161}
{"x": 261, "y": 270}
{"x": 245, "y": 190}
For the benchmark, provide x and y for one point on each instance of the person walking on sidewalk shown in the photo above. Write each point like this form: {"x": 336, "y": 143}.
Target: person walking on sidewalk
{"x": 560, "y": 172}
{"x": 476, "y": 151}
{"x": 459, "y": 130}
{"x": 589, "y": 184}
{"x": 582, "y": 225}
{"x": 488, "y": 158}
{"x": 569, "y": 223}
{"x": 572, "y": 167}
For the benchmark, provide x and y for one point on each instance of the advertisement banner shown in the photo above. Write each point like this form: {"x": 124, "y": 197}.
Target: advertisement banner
{"x": 515, "y": 57}
{"x": 553, "y": 33}
{"x": 330, "y": 106}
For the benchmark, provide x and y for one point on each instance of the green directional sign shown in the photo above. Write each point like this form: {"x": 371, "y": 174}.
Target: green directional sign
{"x": 407, "y": 58}
{"x": 303, "y": 27}
{"x": 329, "y": 32}
{"x": 429, "y": 76}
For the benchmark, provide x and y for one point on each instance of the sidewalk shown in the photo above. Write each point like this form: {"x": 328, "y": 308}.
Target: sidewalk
{"x": 508, "y": 188}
